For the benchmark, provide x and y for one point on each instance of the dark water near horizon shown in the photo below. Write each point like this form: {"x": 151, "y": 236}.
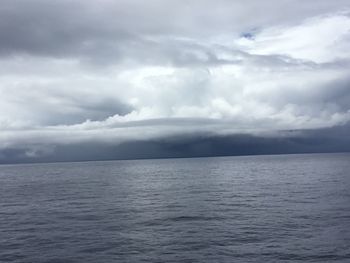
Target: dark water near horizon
{"x": 282, "y": 208}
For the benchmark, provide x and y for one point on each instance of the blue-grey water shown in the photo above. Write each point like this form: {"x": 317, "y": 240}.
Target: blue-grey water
{"x": 283, "y": 208}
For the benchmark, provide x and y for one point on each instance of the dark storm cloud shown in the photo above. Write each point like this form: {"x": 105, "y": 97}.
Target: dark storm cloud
{"x": 195, "y": 145}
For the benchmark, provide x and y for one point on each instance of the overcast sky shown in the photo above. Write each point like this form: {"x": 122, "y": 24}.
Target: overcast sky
{"x": 102, "y": 71}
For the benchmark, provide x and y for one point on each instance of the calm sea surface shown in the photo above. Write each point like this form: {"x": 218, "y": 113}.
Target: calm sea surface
{"x": 283, "y": 208}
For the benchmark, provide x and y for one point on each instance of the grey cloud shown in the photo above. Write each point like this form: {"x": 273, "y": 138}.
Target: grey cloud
{"x": 194, "y": 145}
{"x": 46, "y": 105}
{"x": 57, "y": 28}
{"x": 313, "y": 98}
{"x": 101, "y": 31}
{"x": 81, "y": 111}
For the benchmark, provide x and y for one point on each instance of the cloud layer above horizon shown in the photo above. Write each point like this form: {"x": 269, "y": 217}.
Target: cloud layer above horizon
{"x": 116, "y": 71}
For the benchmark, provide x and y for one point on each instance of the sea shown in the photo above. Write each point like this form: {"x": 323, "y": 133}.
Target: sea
{"x": 273, "y": 208}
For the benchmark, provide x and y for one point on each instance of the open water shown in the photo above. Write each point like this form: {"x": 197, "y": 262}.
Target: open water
{"x": 278, "y": 208}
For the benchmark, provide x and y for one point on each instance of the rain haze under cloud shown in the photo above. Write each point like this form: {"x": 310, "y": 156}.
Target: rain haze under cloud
{"x": 147, "y": 78}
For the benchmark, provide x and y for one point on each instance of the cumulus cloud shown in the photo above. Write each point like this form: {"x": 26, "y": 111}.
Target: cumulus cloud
{"x": 107, "y": 71}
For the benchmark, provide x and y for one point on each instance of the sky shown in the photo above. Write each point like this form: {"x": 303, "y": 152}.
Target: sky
{"x": 103, "y": 79}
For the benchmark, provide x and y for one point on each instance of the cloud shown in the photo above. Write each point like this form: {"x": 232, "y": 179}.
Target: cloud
{"x": 87, "y": 72}
{"x": 113, "y": 30}
{"x": 319, "y": 39}
{"x": 189, "y": 145}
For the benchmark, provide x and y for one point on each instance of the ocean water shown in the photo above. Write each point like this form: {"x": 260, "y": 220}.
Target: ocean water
{"x": 282, "y": 208}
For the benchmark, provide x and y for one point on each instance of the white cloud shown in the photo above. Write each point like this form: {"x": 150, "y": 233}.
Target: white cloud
{"x": 320, "y": 39}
